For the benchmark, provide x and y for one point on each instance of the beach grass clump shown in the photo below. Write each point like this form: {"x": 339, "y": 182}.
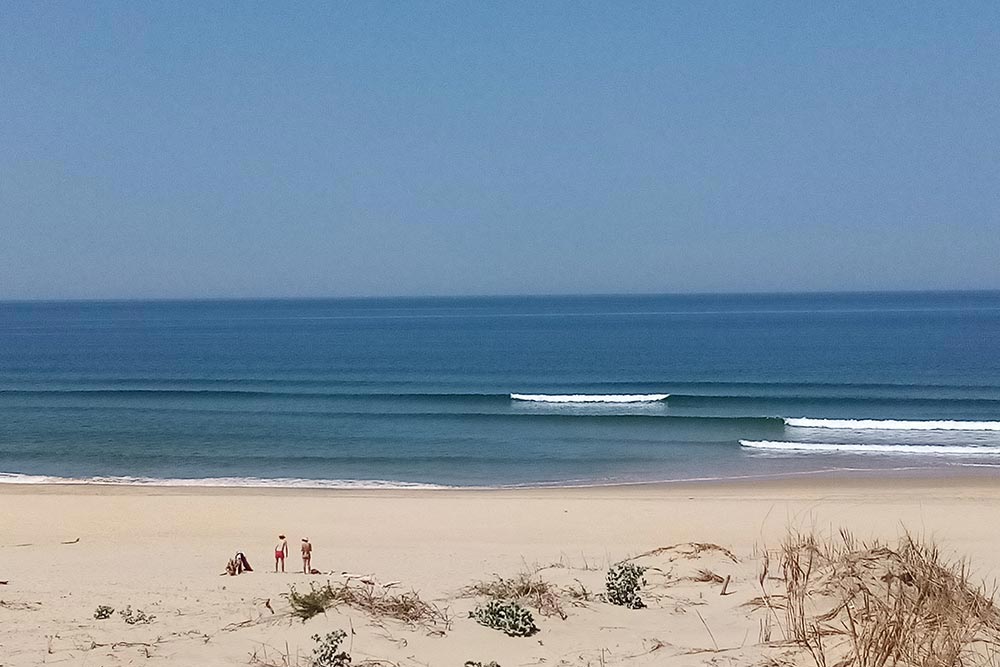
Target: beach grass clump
{"x": 623, "y": 583}
{"x": 136, "y": 616}
{"x": 525, "y": 588}
{"x": 506, "y": 616}
{"x": 477, "y": 663}
{"x": 103, "y": 612}
{"x": 327, "y": 651}
{"x": 309, "y": 604}
{"x": 579, "y": 595}
{"x": 875, "y": 605}
{"x": 707, "y": 577}
{"x": 377, "y": 602}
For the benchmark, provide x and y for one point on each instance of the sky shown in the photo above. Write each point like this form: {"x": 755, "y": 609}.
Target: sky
{"x": 176, "y": 150}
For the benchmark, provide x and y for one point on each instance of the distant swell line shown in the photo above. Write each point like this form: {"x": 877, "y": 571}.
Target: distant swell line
{"x": 589, "y": 398}
{"x": 248, "y": 393}
{"x": 708, "y": 400}
{"x": 763, "y": 403}
{"x": 892, "y": 424}
{"x": 948, "y": 450}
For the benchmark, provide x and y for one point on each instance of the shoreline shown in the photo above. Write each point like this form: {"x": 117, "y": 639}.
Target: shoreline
{"x": 827, "y": 480}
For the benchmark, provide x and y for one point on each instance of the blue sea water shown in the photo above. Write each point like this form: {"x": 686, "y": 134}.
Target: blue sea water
{"x": 419, "y": 391}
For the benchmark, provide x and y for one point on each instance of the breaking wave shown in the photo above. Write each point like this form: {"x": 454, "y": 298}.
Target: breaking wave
{"x": 893, "y": 424}
{"x": 946, "y": 450}
{"x": 246, "y": 482}
{"x": 590, "y": 398}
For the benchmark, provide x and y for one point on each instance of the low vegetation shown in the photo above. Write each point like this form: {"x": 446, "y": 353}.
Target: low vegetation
{"x": 875, "y": 605}
{"x": 309, "y": 604}
{"x": 623, "y": 583}
{"x": 136, "y": 616}
{"x": 327, "y": 652}
{"x": 506, "y": 616}
{"x": 707, "y": 577}
{"x": 525, "y": 588}
{"x": 103, "y": 612}
{"x": 375, "y": 601}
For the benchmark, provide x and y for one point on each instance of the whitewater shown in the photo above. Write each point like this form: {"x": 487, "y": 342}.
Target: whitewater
{"x": 893, "y": 424}
{"x": 872, "y": 448}
{"x": 590, "y": 398}
{"x": 216, "y": 482}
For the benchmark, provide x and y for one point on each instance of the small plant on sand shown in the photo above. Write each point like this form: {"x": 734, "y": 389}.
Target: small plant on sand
{"x": 623, "y": 584}
{"x": 525, "y": 588}
{"x": 506, "y": 616}
{"x": 103, "y": 612}
{"x": 579, "y": 595}
{"x": 313, "y": 603}
{"x": 136, "y": 617}
{"x": 378, "y": 602}
{"x": 476, "y": 663}
{"x": 327, "y": 652}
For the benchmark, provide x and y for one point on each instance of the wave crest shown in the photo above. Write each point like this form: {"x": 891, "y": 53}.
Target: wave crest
{"x": 947, "y": 450}
{"x": 893, "y": 424}
{"x": 246, "y": 482}
{"x": 590, "y": 398}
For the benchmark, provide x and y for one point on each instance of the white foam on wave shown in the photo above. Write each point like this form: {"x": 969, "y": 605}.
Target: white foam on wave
{"x": 590, "y": 398}
{"x": 893, "y": 424}
{"x": 946, "y": 450}
{"x": 244, "y": 482}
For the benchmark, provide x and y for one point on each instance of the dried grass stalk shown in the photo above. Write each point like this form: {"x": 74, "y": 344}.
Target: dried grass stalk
{"x": 888, "y": 606}
{"x": 527, "y": 589}
{"x": 374, "y": 601}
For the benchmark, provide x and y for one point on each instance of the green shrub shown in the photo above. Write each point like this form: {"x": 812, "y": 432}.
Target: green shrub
{"x": 137, "y": 617}
{"x": 103, "y": 612}
{"x": 508, "y": 617}
{"x": 313, "y": 603}
{"x": 526, "y": 588}
{"x": 623, "y": 584}
{"x": 327, "y": 652}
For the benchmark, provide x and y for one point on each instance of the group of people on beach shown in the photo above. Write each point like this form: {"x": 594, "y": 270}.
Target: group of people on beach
{"x": 281, "y": 553}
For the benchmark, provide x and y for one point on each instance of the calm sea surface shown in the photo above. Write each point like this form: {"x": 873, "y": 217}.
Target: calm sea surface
{"x": 365, "y": 392}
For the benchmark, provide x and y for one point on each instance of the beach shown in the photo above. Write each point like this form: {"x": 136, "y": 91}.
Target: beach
{"x": 499, "y": 335}
{"x": 65, "y": 549}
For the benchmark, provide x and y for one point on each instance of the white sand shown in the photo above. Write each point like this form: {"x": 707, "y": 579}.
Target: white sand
{"x": 162, "y": 550}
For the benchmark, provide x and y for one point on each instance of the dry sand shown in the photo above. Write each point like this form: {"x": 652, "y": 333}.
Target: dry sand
{"x": 162, "y": 550}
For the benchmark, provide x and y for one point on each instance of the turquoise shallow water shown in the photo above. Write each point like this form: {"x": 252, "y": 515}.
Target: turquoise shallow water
{"x": 347, "y": 392}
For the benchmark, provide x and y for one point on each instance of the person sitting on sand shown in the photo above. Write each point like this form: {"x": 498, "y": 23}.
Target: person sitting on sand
{"x": 280, "y": 552}
{"x": 238, "y": 564}
{"x": 242, "y": 564}
{"x": 307, "y": 550}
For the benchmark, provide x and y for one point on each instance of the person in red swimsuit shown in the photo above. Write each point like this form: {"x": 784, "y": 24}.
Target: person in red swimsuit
{"x": 280, "y": 552}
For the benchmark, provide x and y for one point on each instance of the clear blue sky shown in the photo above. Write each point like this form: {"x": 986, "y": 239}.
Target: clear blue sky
{"x": 363, "y": 148}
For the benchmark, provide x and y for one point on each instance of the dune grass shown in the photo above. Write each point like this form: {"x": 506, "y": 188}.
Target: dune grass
{"x": 525, "y": 588}
{"x": 874, "y": 605}
{"x": 377, "y": 602}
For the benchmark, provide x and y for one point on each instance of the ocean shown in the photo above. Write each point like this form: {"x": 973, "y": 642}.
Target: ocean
{"x": 487, "y": 392}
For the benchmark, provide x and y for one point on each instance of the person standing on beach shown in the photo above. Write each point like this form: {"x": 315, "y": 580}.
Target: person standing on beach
{"x": 280, "y": 553}
{"x": 307, "y": 550}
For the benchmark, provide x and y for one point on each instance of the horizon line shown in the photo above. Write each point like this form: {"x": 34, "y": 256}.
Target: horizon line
{"x": 536, "y": 295}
